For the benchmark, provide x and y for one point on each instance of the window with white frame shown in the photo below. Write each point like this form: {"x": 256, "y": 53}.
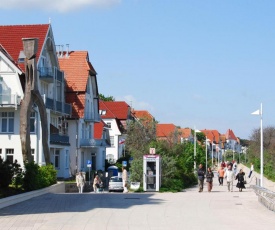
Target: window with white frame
{"x": 9, "y": 155}
{"x": 112, "y": 140}
{"x": 57, "y": 159}
{"x": 7, "y": 122}
{"x": 32, "y": 122}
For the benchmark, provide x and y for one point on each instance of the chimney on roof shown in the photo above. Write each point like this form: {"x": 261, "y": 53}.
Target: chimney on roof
{"x": 58, "y": 50}
{"x": 61, "y": 54}
{"x": 67, "y": 54}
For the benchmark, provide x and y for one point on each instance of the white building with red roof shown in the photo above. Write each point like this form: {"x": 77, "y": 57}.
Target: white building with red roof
{"x": 89, "y": 133}
{"x": 51, "y": 84}
{"x": 115, "y": 114}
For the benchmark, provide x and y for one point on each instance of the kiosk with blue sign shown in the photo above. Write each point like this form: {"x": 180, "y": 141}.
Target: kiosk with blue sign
{"x": 151, "y": 172}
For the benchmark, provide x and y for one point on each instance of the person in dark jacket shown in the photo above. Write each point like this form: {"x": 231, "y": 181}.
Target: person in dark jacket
{"x": 240, "y": 178}
{"x": 201, "y": 174}
{"x": 209, "y": 179}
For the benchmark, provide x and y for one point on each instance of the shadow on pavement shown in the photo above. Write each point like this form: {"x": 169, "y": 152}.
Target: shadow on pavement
{"x": 56, "y": 203}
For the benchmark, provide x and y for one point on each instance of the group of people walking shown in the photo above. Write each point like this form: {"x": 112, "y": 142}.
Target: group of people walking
{"x": 226, "y": 171}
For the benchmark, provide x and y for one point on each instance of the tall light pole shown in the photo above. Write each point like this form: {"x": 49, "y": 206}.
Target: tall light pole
{"x": 212, "y": 154}
{"x": 260, "y": 113}
{"x": 206, "y": 152}
{"x": 195, "y": 145}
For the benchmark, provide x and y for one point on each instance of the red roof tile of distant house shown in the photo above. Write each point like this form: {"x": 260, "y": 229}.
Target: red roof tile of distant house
{"x": 114, "y": 109}
{"x": 166, "y": 130}
{"x": 11, "y": 38}
{"x": 186, "y": 133}
{"x": 230, "y": 135}
{"x": 98, "y": 129}
{"x": 216, "y": 135}
{"x": 208, "y": 134}
{"x": 77, "y": 69}
{"x": 142, "y": 114}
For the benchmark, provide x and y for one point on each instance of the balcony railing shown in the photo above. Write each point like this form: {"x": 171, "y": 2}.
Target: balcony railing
{"x": 88, "y": 143}
{"x": 9, "y": 100}
{"x": 59, "y": 139}
{"x": 58, "y": 106}
{"x": 47, "y": 74}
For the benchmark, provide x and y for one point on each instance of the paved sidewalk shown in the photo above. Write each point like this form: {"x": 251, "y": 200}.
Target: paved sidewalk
{"x": 188, "y": 210}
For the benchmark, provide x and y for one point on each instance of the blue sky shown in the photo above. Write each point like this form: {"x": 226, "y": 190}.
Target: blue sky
{"x": 203, "y": 63}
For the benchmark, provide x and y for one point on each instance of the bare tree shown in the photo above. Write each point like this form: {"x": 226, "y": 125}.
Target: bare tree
{"x": 32, "y": 96}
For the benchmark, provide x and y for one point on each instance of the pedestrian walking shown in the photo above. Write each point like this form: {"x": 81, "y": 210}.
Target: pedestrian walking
{"x": 221, "y": 175}
{"x": 241, "y": 180}
{"x": 209, "y": 179}
{"x": 96, "y": 183}
{"x": 80, "y": 182}
{"x": 251, "y": 170}
{"x": 230, "y": 176}
{"x": 124, "y": 179}
{"x": 201, "y": 174}
{"x": 223, "y": 164}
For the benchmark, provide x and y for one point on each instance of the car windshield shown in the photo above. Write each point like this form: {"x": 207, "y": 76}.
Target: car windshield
{"x": 116, "y": 179}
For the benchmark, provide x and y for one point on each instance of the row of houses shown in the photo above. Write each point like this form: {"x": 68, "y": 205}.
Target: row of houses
{"x": 81, "y": 128}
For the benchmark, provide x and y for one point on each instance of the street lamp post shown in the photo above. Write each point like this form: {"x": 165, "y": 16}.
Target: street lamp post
{"x": 195, "y": 146}
{"x": 260, "y": 113}
{"x": 206, "y": 152}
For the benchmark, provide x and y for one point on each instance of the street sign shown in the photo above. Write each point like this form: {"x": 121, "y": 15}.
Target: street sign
{"x": 89, "y": 163}
{"x": 124, "y": 163}
{"x": 152, "y": 151}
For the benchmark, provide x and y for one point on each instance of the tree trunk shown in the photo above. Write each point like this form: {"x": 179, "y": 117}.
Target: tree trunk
{"x": 32, "y": 96}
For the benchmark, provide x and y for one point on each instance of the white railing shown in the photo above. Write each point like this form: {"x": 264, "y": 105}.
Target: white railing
{"x": 10, "y": 100}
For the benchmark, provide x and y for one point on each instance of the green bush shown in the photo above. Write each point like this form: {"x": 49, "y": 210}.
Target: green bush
{"x": 5, "y": 173}
{"x": 10, "y": 173}
{"x": 36, "y": 177}
{"x": 47, "y": 176}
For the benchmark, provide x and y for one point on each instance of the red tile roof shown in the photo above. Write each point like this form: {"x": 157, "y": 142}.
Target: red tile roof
{"x": 165, "y": 130}
{"x": 186, "y": 133}
{"x": 98, "y": 129}
{"x": 142, "y": 114}
{"x": 6, "y": 53}
{"x": 208, "y": 134}
{"x": 11, "y": 38}
{"x": 77, "y": 69}
{"x": 230, "y": 135}
{"x": 114, "y": 109}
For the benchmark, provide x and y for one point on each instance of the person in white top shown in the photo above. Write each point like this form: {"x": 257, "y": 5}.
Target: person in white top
{"x": 230, "y": 176}
{"x": 124, "y": 179}
{"x": 80, "y": 182}
{"x": 251, "y": 170}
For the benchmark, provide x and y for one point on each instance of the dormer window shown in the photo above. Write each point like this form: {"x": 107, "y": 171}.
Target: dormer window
{"x": 102, "y": 112}
{"x": 21, "y": 57}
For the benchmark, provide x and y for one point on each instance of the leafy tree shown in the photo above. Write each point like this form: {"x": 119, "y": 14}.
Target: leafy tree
{"x": 253, "y": 152}
{"x": 104, "y": 98}
{"x": 139, "y": 135}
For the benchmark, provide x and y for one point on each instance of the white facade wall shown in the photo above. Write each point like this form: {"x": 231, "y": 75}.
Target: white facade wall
{"x": 116, "y": 149}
